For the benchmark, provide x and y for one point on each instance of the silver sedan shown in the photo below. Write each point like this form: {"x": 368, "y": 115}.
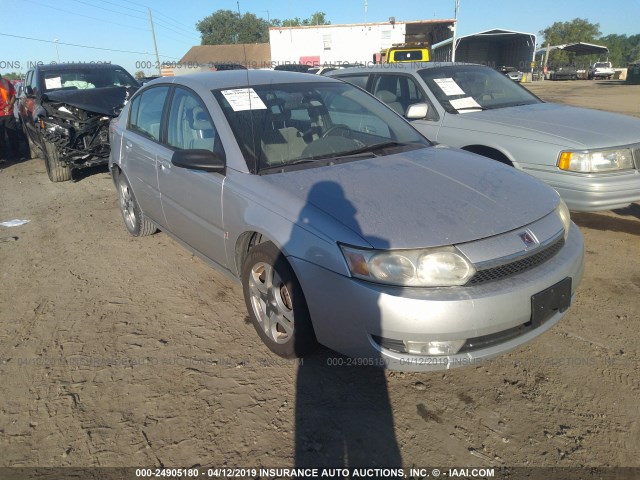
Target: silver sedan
{"x": 590, "y": 157}
{"x": 345, "y": 226}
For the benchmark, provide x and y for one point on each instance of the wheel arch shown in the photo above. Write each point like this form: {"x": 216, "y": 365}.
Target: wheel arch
{"x": 492, "y": 153}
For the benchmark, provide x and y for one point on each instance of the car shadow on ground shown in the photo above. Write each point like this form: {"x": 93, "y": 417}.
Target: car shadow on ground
{"x": 603, "y": 222}
{"x": 79, "y": 175}
{"x": 612, "y": 83}
{"x": 343, "y": 414}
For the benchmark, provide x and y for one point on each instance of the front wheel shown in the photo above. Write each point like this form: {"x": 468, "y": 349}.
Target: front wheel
{"x": 134, "y": 219}
{"x": 57, "y": 170}
{"x": 276, "y": 304}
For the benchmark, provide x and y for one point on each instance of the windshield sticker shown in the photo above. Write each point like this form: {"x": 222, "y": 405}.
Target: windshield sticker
{"x": 54, "y": 82}
{"x": 449, "y": 86}
{"x": 466, "y": 103}
{"x": 242, "y": 99}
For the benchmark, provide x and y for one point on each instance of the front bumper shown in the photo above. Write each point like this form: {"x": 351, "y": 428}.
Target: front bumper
{"x": 348, "y": 313}
{"x": 592, "y": 193}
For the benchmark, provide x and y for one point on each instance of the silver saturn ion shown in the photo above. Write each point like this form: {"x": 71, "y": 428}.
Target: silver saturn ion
{"x": 345, "y": 226}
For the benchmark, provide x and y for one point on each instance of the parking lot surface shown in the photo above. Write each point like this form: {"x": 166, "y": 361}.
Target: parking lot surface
{"x": 121, "y": 351}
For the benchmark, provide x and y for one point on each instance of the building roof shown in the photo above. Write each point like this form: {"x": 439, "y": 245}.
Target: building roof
{"x": 394, "y": 22}
{"x": 249, "y": 54}
{"x": 579, "y": 48}
{"x": 496, "y": 32}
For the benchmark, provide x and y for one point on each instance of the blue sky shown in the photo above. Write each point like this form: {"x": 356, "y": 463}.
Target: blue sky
{"x": 124, "y": 25}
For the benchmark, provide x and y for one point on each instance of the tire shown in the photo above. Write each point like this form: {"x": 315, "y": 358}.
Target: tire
{"x": 57, "y": 171}
{"x": 34, "y": 150}
{"x": 135, "y": 221}
{"x": 275, "y": 302}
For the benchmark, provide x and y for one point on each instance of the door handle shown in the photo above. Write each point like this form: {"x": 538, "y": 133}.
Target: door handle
{"x": 128, "y": 145}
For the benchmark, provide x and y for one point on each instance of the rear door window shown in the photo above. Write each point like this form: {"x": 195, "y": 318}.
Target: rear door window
{"x": 146, "y": 112}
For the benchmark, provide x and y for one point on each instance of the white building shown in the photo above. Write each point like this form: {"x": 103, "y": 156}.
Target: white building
{"x": 354, "y": 43}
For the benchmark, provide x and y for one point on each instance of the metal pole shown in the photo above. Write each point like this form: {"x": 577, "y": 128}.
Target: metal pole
{"x": 57, "y": 52}
{"x": 155, "y": 45}
{"x": 455, "y": 27}
{"x": 546, "y": 59}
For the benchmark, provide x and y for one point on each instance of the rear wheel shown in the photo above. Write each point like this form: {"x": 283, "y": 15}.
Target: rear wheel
{"x": 57, "y": 170}
{"x": 134, "y": 219}
{"x": 276, "y": 304}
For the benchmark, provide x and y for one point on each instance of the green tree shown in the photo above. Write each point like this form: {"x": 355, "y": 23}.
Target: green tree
{"x": 12, "y": 76}
{"x": 622, "y": 49}
{"x": 560, "y": 33}
{"x": 225, "y": 27}
{"x": 139, "y": 74}
{"x": 317, "y": 18}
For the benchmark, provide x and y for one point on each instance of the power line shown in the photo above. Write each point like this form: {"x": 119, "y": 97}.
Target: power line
{"x": 191, "y": 35}
{"x": 87, "y": 16}
{"x": 108, "y": 9}
{"x": 110, "y": 22}
{"x": 129, "y": 8}
{"x": 82, "y": 46}
{"x": 155, "y": 13}
{"x": 157, "y": 22}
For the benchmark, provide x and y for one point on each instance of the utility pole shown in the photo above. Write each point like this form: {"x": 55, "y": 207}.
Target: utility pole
{"x": 545, "y": 64}
{"x": 455, "y": 27}
{"x": 155, "y": 45}
{"x": 57, "y": 52}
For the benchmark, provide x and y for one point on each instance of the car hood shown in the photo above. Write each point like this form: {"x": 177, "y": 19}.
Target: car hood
{"x": 105, "y": 101}
{"x": 552, "y": 123}
{"x": 423, "y": 198}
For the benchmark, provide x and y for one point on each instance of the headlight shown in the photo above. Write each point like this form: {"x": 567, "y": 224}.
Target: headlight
{"x": 435, "y": 267}
{"x": 563, "y": 212}
{"x": 596, "y": 161}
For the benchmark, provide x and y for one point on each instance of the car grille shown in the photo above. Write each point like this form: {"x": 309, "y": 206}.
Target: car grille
{"x": 636, "y": 156}
{"x": 517, "y": 266}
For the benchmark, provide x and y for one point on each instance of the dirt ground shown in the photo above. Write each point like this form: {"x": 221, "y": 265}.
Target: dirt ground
{"x": 121, "y": 351}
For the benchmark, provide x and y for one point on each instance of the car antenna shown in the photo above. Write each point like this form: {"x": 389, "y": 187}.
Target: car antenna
{"x": 246, "y": 66}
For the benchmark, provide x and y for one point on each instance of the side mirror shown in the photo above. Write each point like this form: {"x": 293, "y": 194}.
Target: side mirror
{"x": 205, "y": 160}
{"x": 416, "y": 111}
{"x": 29, "y": 90}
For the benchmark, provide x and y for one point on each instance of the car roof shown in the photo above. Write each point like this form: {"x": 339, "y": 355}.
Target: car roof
{"x": 239, "y": 78}
{"x": 401, "y": 67}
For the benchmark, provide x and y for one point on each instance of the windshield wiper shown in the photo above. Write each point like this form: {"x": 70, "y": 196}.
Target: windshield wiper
{"x": 364, "y": 152}
{"x": 282, "y": 166}
{"x": 379, "y": 146}
{"x": 471, "y": 108}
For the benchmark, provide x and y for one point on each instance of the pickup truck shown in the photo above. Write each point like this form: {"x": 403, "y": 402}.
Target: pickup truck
{"x": 600, "y": 70}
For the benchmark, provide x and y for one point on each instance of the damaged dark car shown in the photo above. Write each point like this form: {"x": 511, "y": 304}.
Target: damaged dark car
{"x": 66, "y": 110}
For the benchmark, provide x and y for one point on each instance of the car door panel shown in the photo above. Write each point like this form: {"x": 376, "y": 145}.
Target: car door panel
{"x": 141, "y": 142}
{"x": 192, "y": 199}
{"x": 140, "y": 166}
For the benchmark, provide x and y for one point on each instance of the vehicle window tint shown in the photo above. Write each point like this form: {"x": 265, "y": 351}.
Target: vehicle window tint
{"x": 33, "y": 82}
{"x": 408, "y": 55}
{"x": 190, "y": 126}
{"x": 298, "y": 122}
{"x": 467, "y": 88}
{"x": 87, "y": 78}
{"x": 387, "y": 89}
{"x": 146, "y": 112}
{"x": 357, "y": 80}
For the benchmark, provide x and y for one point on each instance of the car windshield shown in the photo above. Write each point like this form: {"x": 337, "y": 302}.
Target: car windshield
{"x": 87, "y": 78}
{"x": 461, "y": 89}
{"x": 280, "y": 125}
